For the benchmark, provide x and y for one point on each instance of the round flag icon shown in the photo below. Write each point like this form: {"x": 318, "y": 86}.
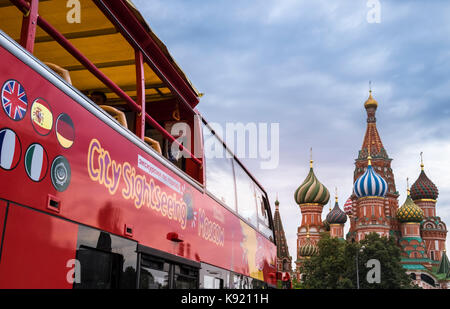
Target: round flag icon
{"x": 65, "y": 131}
{"x": 36, "y": 162}
{"x": 60, "y": 173}
{"x": 41, "y": 117}
{"x": 14, "y": 100}
{"x": 10, "y": 149}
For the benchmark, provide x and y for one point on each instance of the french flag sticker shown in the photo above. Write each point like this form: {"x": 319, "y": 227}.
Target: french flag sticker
{"x": 10, "y": 149}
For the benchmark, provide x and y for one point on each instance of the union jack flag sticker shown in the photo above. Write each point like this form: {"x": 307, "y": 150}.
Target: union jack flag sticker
{"x": 14, "y": 100}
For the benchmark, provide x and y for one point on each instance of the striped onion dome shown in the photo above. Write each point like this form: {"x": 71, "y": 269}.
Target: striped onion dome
{"x": 370, "y": 183}
{"x": 312, "y": 190}
{"x": 336, "y": 216}
{"x": 348, "y": 206}
{"x": 424, "y": 188}
{"x": 308, "y": 248}
{"x": 410, "y": 212}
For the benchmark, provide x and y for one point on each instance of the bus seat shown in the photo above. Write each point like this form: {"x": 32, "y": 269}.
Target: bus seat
{"x": 153, "y": 143}
{"x": 60, "y": 71}
{"x": 116, "y": 114}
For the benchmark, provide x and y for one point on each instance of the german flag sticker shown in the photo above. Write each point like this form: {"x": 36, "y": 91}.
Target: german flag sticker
{"x": 41, "y": 117}
{"x": 65, "y": 131}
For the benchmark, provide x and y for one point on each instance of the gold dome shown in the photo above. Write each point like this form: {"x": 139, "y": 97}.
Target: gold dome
{"x": 371, "y": 102}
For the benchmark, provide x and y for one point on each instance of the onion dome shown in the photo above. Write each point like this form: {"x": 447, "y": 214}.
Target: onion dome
{"x": 348, "y": 207}
{"x": 336, "y": 216}
{"x": 410, "y": 212}
{"x": 370, "y": 102}
{"x": 277, "y": 204}
{"x": 424, "y": 188}
{"x": 370, "y": 183}
{"x": 311, "y": 190}
{"x": 308, "y": 249}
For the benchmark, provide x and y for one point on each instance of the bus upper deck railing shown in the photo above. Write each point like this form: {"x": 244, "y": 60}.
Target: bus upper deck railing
{"x": 30, "y": 12}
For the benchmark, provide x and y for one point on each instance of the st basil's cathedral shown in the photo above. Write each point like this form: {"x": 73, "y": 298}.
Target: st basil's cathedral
{"x": 374, "y": 207}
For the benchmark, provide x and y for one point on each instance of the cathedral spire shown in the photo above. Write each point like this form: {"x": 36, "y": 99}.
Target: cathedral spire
{"x": 284, "y": 260}
{"x": 372, "y": 142}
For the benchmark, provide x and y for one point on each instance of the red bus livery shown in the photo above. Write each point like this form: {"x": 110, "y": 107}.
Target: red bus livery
{"x": 93, "y": 194}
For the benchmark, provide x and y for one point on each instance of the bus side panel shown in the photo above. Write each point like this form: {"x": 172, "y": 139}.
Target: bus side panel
{"x": 36, "y": 251}
{"x": 2, "y": 221}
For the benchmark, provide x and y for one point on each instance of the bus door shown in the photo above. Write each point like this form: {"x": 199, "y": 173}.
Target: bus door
{"x": 160, "y": 270}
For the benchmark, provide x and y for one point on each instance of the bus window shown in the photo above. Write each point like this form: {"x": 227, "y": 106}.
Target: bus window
{"x": 154, "y": 274}
{"x": 106, "y": 261}
{"x": 219, "y": 170}
{"x": 185, "y": 277}
{"x": 99, "y": 269}
{"x": 212, "y": 277}
{"x": 246, "y": 203}
{"x": 210, "y": 282}
{"x": 241, "y": 282}
{"x": 263, "y": 213}
{"x": 159, "y": 273}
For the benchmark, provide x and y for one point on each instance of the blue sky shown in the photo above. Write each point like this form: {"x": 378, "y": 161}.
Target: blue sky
{"x": 306, "y": 65}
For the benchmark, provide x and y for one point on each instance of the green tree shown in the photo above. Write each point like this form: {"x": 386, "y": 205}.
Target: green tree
{"x": 386, "y": 251}
{"x": 327, "y": 269}
{"x": 334, "y": 267}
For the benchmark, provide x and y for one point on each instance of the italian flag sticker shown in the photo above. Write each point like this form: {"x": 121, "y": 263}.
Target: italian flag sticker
{"x": 36, "y": 162}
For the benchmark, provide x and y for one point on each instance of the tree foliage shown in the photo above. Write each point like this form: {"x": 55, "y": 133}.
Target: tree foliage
{"x": 334, "y": 267}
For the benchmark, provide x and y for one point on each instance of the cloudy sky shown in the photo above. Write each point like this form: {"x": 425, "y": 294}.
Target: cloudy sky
{"x": 306, "y": 64}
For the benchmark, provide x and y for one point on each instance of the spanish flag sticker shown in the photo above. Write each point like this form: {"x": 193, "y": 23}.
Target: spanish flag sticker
{"x": 65, "y": 131}
{"x": 41, "y": 117}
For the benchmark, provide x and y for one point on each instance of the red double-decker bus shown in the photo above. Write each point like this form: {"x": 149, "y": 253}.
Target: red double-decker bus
{"x": 104, "y": 180}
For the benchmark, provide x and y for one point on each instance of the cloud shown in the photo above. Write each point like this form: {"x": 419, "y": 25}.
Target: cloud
{"x": 306, "y": 64}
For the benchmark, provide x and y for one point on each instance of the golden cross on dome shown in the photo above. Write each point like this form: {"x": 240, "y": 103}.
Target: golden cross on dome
{"x": 310, "y": 158}
{"x": 421, "y": 160}
{"x": 370, "y": 86}
{"x": 336, "y": 194}
{"x": 407, "y": 185}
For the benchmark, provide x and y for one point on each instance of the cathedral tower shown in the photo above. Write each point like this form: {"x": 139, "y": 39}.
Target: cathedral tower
{"x": 311, "y": 196}
{"x": 410, "y": 215}
{"x": 373, "y": 210}
{"x": 284, "y": 260}
{"x": 434, "y": 231}
{"x": 336, "y": 218}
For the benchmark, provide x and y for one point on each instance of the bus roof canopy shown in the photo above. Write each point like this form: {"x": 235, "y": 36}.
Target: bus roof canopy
{"x": 99, "y": 40}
